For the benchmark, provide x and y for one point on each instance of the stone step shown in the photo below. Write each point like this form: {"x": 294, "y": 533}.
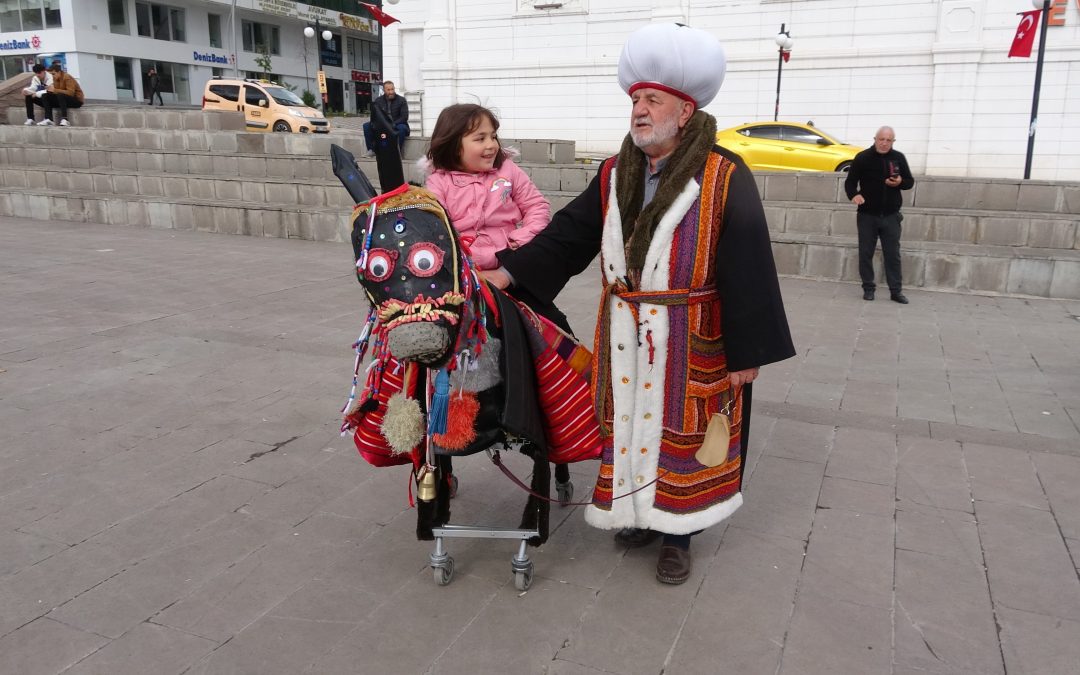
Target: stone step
{"x": 971, "y": 226}
{"x": 991, "y": 194}
{"x": 934, "y": 265}
{"x": 1038, "y": 272}
{"x": 149, "y": 181}
{"x": 550, "y": 180}
{"x": 132, "y": 118}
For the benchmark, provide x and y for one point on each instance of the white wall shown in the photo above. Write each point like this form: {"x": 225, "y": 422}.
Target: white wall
{"x": 935, "y": 70}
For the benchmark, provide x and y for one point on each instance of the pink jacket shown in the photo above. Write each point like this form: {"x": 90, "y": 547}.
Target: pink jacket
{"x": 491, "y": 210}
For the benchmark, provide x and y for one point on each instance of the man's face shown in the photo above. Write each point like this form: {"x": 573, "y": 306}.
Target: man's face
{"x": 656, "y": 118}
{"x": 884, "y": 140}
{"x": 388, "y": 89}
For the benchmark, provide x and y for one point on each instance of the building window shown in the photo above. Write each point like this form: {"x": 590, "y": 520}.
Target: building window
{"x": 32, "y": 17}
{"x": 125, "y": 84}
{"x": 260, "y": 75}
{"x": 217, "y": 72}
{"x": 214, "y": 22}
{"x": 160, "y": 22}
{"x": 364, "y": 55}
{"x": 118, "y": 22}
{"x": 26, "y": 15}
{"x": 261, "y": 37}
{"x": 172, "y": 79}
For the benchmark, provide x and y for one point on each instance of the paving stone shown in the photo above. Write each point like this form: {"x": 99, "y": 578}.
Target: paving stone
{"x": 148, "y": 647}
{"x": 1003, "y": 475}
{"x": 849, "y": 558}
{"x": 46, "y": 646}
{"x": 931, "y": 473}
{"x": 780, "y": 498}
{"x": 857, "y": 496}
{"x": 944, "y": 617}
{"x": 1035, "y": 643}
{"x": 1058, "y": 476}
{"x": 831, "y": 636}
{"x": 942, "y": 533}
{"x": 1028, "y": 565}
{"x": 862, "y": 455}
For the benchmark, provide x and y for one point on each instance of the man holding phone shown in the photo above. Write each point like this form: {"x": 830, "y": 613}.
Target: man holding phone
{"x": 875, "y": 180}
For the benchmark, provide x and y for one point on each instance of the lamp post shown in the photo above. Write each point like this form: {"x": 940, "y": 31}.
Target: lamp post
{"x": 785, "y": 43}
{"x": 326, "y": 36}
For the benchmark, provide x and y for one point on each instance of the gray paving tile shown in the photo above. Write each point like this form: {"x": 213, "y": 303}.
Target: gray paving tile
{"x": 940, "y": 532}
{"x": 1059, "y": 475}
{"x": 857, "y": 496}
{"x": 932, "y": 473}
{"x": 799, "y": 440}
{"x": 46, "y": 646}
{"x": 849, "y": 558}
{"x": 1036, "y": 643}
{"x": 831, "y": 636}
{"x": 780, "y": 498}
{"x": 861, "y": 455}
{"x": 1027, "y": 563}
{"x": 944, "y": 618}
{"x": 1003, "y": 475}
{"x": 146, "y": 648}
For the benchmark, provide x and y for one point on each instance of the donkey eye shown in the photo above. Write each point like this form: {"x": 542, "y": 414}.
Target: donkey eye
{"x": 424, "y": 259}
{"x": 380, "y": 264}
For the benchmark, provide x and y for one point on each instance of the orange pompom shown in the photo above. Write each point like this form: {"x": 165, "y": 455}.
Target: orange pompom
{"x": 460, "y": 422}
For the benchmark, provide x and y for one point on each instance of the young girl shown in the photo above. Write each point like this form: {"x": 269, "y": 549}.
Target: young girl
{"x": 491, "y": 202}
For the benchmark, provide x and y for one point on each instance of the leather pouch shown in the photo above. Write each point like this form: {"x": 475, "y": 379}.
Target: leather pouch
{"x": 714, "y": 449}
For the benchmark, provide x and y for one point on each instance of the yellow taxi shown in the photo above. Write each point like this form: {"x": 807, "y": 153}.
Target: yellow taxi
{"x": 787, "y": 146}
{"x": 267, "y": 106}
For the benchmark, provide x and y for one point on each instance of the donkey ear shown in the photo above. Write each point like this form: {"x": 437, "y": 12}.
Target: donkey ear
{"x": 387, "y": 157}
{"x": 350, "y": 175}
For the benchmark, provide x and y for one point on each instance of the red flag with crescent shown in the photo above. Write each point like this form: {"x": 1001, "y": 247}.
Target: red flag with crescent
{"x": 1025, "y": 34}
{"x": 382, "y": 17}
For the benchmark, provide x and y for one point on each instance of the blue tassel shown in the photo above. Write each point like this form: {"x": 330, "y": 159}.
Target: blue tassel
{"x": 440, "y": 404}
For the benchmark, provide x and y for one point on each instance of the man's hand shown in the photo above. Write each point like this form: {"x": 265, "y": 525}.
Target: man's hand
{"x": 742, "y": 377}
{"x": 893, "y": 181}
{"x": 858, "y": 200}
{"x": 497, "y": 278}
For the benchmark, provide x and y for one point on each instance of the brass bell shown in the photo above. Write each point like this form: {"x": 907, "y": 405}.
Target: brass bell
{"x": 425, "y": 489}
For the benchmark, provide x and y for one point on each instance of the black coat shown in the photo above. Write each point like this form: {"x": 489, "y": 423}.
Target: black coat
{"x": 867, "y": 177}
{"x": 155, "y": 82}
{"x": 755, "y": 325}
{"x": 397, "y": 109}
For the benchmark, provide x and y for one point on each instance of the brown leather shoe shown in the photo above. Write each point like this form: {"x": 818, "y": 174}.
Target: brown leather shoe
{"x": 674, "y": 565}
{"x": 636, "y": 537}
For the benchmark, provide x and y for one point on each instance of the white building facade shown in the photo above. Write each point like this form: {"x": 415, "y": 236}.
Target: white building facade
{"x": 109, "y": 45}
{"x": 935, "y": 70}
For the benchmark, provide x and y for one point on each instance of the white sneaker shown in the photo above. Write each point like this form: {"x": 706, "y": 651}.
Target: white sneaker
{"x": 28, "y": 123}
{"x": 64, "y": 123}
{"x": 46, "y": 123}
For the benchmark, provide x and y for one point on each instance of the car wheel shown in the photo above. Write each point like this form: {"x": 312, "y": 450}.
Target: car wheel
{"x": 283, "y": 126}
{"x": 844, "y": 167}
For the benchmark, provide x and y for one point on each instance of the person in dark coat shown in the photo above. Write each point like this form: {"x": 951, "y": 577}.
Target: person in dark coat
{"x": 154, "y": 87}
{"x": 397, "y": 109}
{"x": 690, "y": 306}
{"x": 873, "y": 183}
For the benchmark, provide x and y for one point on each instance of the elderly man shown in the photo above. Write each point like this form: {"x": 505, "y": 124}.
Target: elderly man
{"x": 690, "y": 307}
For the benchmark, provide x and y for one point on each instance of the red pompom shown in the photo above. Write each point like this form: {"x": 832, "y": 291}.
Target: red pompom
{"x": 460, "y": 422}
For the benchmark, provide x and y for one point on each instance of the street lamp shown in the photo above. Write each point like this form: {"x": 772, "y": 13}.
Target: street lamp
{"x": 785, "y": 43}
{"x": 327, "y": 36}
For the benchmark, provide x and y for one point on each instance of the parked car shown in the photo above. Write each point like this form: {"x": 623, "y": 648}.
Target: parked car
{"x": 267, "y": 106}
{"x": 787, "y": 146}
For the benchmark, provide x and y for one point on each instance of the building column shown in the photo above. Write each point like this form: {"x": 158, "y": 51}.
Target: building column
{"x": 439, "y": 68}
{"x": 956, "y": 54}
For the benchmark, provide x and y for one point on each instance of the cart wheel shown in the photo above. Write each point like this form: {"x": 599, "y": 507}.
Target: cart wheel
{"x": 564, "y": 492}
{"x": 444, "y": 573}
{"x": 523, "y": 579}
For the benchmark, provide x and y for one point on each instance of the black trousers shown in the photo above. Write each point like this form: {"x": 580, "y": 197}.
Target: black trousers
{"x": 43, "y": 101}
{"x": 153, "y": 93}
{"x": 887, "y": 228}
{"x": 64, "y": 102}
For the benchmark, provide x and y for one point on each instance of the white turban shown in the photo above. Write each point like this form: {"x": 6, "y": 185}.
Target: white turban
{"x": 680, "y": 60}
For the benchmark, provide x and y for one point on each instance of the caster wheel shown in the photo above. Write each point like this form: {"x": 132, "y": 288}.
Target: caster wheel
{"x": 564, "y": 492}
{"x": 523, "y": 579}
{"x": 444, "y": 574}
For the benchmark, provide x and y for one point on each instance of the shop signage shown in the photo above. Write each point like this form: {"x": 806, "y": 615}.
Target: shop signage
{"x": 33, "y": 42}
{"x": 210, "y": 57}
{"x": 356, "y": 23}
{"x": 298, "y": 10}
{"x": 358, "y": 76}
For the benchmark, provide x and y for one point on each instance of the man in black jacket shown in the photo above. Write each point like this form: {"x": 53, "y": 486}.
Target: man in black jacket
{"x": 874, "y": 182}
{"x": 397, "y": 109}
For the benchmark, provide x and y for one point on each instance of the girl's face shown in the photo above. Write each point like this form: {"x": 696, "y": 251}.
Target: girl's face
{"x": 479, "y": 147}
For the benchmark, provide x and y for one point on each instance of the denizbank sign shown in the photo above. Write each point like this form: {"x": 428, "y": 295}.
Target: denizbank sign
{"x": 209, "y": 57}
{"x": 29, "y": 43}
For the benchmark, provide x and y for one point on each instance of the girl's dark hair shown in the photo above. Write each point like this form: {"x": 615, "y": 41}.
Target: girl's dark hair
{"x": 454, "y": 123}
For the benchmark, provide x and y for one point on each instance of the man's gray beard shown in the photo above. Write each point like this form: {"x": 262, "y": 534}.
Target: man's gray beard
{"x": 662, "y": 131}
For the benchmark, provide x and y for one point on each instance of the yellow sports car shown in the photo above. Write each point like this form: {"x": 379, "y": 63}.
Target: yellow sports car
{"x": 787, "y": 146}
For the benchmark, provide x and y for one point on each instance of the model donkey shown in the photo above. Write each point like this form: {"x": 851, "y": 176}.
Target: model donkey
{"x": 456, "y": 366}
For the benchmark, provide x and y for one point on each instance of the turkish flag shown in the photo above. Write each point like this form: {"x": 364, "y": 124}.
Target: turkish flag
{"x": 385, "y": 19}
{"x": 1025, "y": 34}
